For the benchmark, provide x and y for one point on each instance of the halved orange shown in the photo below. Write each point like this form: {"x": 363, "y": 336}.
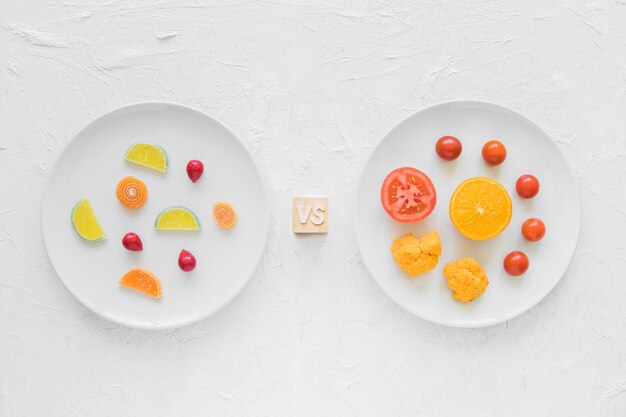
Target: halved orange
{"x": 480, "y": 208}
{"x": 143, "y": 281}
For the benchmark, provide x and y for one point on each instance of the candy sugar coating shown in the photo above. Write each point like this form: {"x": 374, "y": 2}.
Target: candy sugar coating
{"x": 224, "y": 214}
{"x": 85, "y": 222}
{"x": 147, "y": 155}
{"x": 177, "y": 218}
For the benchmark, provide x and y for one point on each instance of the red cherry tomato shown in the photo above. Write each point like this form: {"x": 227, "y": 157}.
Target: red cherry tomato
{"x": 408, "y": 195}
{"x": 448, "y": 148}
{"x": 494, "y": 152}
{"x": 533, "y": 229}
{"x": 516, "y": 263}
{"x": 527, "y": 186}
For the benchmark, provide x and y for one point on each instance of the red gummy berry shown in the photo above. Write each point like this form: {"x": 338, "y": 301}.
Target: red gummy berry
{"x": 195, "y": 169}
{"x": 186, "y": 261}
{"x": 132, "y": 241}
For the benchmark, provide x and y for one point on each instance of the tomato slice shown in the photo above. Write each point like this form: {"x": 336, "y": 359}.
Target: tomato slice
{"x": 408, "y": 195}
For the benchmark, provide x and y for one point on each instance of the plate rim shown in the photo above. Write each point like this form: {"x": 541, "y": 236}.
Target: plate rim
{"x": 192, "y": 320}
{"x": 577, "y": 225}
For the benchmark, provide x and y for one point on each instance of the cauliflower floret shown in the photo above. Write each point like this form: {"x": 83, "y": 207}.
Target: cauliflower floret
{"x": 466, "y": 278}
{"x": 417, "y": 256}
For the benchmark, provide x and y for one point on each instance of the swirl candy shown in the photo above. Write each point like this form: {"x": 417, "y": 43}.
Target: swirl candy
{"x": 131, "y": 192}
{"x": 224, "y": 214}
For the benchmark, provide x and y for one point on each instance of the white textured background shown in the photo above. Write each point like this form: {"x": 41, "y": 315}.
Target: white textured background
{"x": 311, "y": 87}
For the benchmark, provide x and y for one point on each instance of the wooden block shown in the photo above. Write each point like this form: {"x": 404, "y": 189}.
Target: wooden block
{"x": 309, "y": 215}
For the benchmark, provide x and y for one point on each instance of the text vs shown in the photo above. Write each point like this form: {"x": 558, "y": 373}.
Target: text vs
{"x": 309, "y": 215}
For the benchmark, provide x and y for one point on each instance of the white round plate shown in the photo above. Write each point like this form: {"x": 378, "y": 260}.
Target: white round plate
{"x": 91, "y": 166}
{"x": 530, "y": 151}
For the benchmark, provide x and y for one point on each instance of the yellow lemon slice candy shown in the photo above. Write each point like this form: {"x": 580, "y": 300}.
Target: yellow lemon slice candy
{"x": 147, "y": 155}
{"x": 177, "y": 218}
{"x": 85, "y": 222}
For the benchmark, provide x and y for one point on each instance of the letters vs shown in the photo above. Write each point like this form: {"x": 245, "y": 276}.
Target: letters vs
{"x": 304, "y": 213}
{"x": 309, "y": 215}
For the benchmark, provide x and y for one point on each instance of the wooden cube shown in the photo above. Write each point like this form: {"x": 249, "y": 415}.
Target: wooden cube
{"x": 309, "y": 215}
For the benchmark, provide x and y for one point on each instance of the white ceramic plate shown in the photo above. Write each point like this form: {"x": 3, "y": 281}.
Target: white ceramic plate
{"x": 530, "y": 151}
{"x": 91, "y": 166}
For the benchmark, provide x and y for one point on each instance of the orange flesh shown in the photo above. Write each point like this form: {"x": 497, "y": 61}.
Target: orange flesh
{"x": 131, "y": 192}
{"x": 143, "y": 281}
{"x": 480, "y": 208}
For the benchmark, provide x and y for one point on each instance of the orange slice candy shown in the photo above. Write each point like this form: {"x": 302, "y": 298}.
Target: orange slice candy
{"x": 480, "y": 208}
{"x": 224, "y": 214}
{"x": 143, "y": 281}
{"x": 131, "y": 192}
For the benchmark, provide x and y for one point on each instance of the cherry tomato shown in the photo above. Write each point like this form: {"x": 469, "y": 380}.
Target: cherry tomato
{"x": 448, "y": 148}
{"x": 408, "y": 195}
{"x": 516, "y": 263}
{"x": 494, "y": 152}
{"x": 527, "y": 186}
{"x": 533, "y": 229}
